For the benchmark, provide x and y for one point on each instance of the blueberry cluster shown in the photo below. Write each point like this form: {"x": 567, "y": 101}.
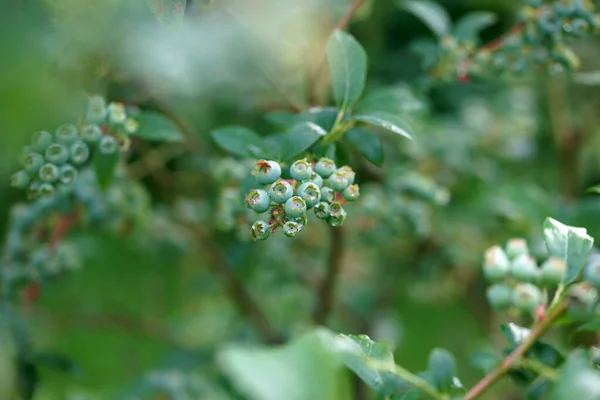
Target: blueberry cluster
{"x": 53, "y": 160}
{"x": 320, "y": 186}
{"x": 517, "y": 282}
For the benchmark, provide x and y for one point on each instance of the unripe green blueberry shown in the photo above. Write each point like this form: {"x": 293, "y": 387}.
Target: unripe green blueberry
{"x": 548, "y": 23}
{"x": 281, "y": 191}
{"x": 80, "y": 152}
{"x": 20, "y": 179}
{"x": 310, "y": 192}
{"x": 349, "y": 172}
{"x": 108, "y": 145}
{"x": 526, "y": 297}
{"x": 316, "y": 179}
{"x": 499, "y": 296}
{"x": 48, "y": 172}
{"x": 258, "y": 200}
{"x": 579, "y": 27}
{"x": 124, "y": 142}
{"x": 337, "y": 219}
{"x": 33, "y": 162}
{"x": 291, "y": 228}
{"x": 516, "y": 247}
{"x": 325, "y": 167}
{"x": 267, "y": 172}
{"x": 496, "y": 264}
{"x": 302, "y": 221}
{"x": 524, "y": 269}
{"x": 327, "y": 194}
{"x": 553, "y": 271}
{"x": 46, "y": 189}
{"x": 67, "y": 174}
{"x": 351, "y": 193}
{"x": 96, "y": 112}
{"x": 57, "y": 154}
{"x": 295, "y": 207}
{"x": 66, "y": 134}
{"x": 301, "y": 170}
{"x": 338, "y": 181}
{"x": 116, "y": 113}
{"x": 260, "y": 230}
{"x": 582, "y": 300}
{"x": 591, "y": 272}
{"x": 131, "y": 125}
{"x": 33, "y": 190}
{"x": 564, "y": 8}
{"x": 90, "y": 133}
{"x": 40, "y": 141}
{"x": 322, "y": 210}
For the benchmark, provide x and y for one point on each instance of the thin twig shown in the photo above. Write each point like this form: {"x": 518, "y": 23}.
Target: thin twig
{"x": 517, "y": 353}
{"x": 326, "y": 290}
{"x": 235, "y": 288}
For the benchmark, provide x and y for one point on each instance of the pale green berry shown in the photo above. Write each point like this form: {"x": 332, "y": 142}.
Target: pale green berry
{"x": 258, "y": 200}
{"x": 67, "y": 174}
{"x": 33, "y": 162}
{"x": 96, "y": 112}
{"x": 260, "y": 230}
{"x": 349, "y": 172}
{"x": 116, "y": 113}
{"x": 108, "y": 145}
{"x": 325, "y": 167}
{"x": 327, "y": 194}
{"x": 131, "y": 125}
{"x": 337, "y": 219}
{"x": 524, "y": 269}
{"x": 267, "y": 171}
{"x": 516, "y": 247}
{"x": 338, "y": 181}
{"x": 281, "y": 191}
{"x": 90, "y": 133}
{"x": 40, "y": 141}
{"x": 20, "y": 179}
{"x": 499, "y": 296}
{"x": 496, "y": 264}
{"x": 582, "y": 301}
{"x": 33, "y": 190}
{"x": 316, "y": 179}
{"x": 46, "y": 189}
{"x": 310, "y": 192}
{"x": 591, "y": 272}
{"x": 322, "y": 210}
{"x": 291, "y": 228}
{"x": 301, "y": 170}
{"x": 526, "y": 297}
{"x": 553, "y": 271}
{"x": 57, "y": 154}
{"x": 295, "y": 207}
{"x": 351, "y": 193}
{"x": 66, "y": 134}
{"x": 80, "y": 152}
{"x": 302, "y": 221}
{"x": 48, "y": 173}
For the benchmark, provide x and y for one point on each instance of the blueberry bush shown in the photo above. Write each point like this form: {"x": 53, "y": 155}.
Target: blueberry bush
{"x": 300, "y": 200}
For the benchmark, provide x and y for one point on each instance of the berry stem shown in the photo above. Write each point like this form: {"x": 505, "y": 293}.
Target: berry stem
{"x": 326, "y": 289}
{"x": 536, "y": 332}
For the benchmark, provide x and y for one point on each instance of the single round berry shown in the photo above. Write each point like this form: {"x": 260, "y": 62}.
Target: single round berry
{"x": 349, "y": 172}
{"x": 66, "y": 134}
{"x": 310, "y": 192}
{"x": 116, "y": 113}
{"x": 351, "y": 193}
{"x": 302, "y": 221}
{"x": 337, "y": 219}
{"x": 499, "y": 296}
{"x": 260, "y": 230}
{"x": 96, "y": 112}
{"x": 281, "y": 191}
{"x": 516, "y": 247}
{"x": 80, "y": 153}
{"x": 258, "y": 200}
{"x": 33, "y": 190}
{"x": 582, "y": 301}
{"x": 90, "y": 133}
{"x": 48, "y": 172}
{"x": 40, "y": 141}
{"x": 301, "y": 170}
{"x": 322, "y": 210}
{"x": 496, "y": 264}
{"x": 124, "y": 142}
{"x": 46, "y": 189}
{"x": 267, "y": 172}
{"x": 327, "y": 194}
{"x": 295, "y": 207}
{"x": 316, "y": 179}
{"x": 131, "y": 125}
{"x": 291, "y": 228}
{"x": 592, "y": 272}
{"x": 108, "y": 145}
{"x": 524, "y": 269}
{"x": 553, "y": 271}
{"x": 338, "y": 181}
{"x": 564, "y": 9}
{"x": 33, "y": 162}
{"x": 325, "y": 167}
{"x": 526, "y": 297}
{"x": 20, "y": 179}
{"x": 67, "y": 174}
{"x": 57, "y": 154}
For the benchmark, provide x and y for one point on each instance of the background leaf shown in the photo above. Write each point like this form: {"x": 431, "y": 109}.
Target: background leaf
{"x": 348, "y": 67}
{"x": 300, "y": 138}
{"x": 431, "y": 13}
{"x": 367, "y": 143}
{"x": 469, "y": 25}
{"x": 388, "y": 122}
{"x": 157, "y": 127}
{"x": 104, "y": 166}
{"x": 442, "y": 369}
{"x": 240, "y": 141}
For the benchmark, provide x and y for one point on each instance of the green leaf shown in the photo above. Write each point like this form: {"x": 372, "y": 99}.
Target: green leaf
{"x": 484, "y": 360}
{"x": 348, "y": 65}
{"x": 396, "y": 100}
{"x": 442, "y": 369}
{"x": 368, "y": 143}
{"x": 239, "y": 140}
{"x": 281, "y": 119}
{"x": 300, "y": 138}
{"x": 323, "y": 116}
{"x": 431, "y": 13}
{"x": 594, "y": 189}
{"x": 155, "y": 126}
{"x": 168, "y": 12}
{"x": 590, "y": 326}
{"x": 578, "y": 379}
{"x": 56, "y": 361}
{"x": 469, "y": 25}
{"x": 388, "y": 122}
{"x": 104, "y": 166}
{"x": 569, "y": 243}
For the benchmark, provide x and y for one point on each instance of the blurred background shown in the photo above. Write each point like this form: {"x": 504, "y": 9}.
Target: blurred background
{"x": 492, "y": 159}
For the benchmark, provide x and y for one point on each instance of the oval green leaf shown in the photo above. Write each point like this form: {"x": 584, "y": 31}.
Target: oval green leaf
{"x": 469, "y": 25}
{"x": 367, "y": 143}
{"x": 239, "y": 140}
{"x": 157, "y": 127}
{"x": 442, "y": 369}
{"x": 104, "y": 166}
{"x": 299, "y": 139}
{"x": 388, "y": 122}
{"x": 348, "y": 66}
{"x": 432, "y": 14}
